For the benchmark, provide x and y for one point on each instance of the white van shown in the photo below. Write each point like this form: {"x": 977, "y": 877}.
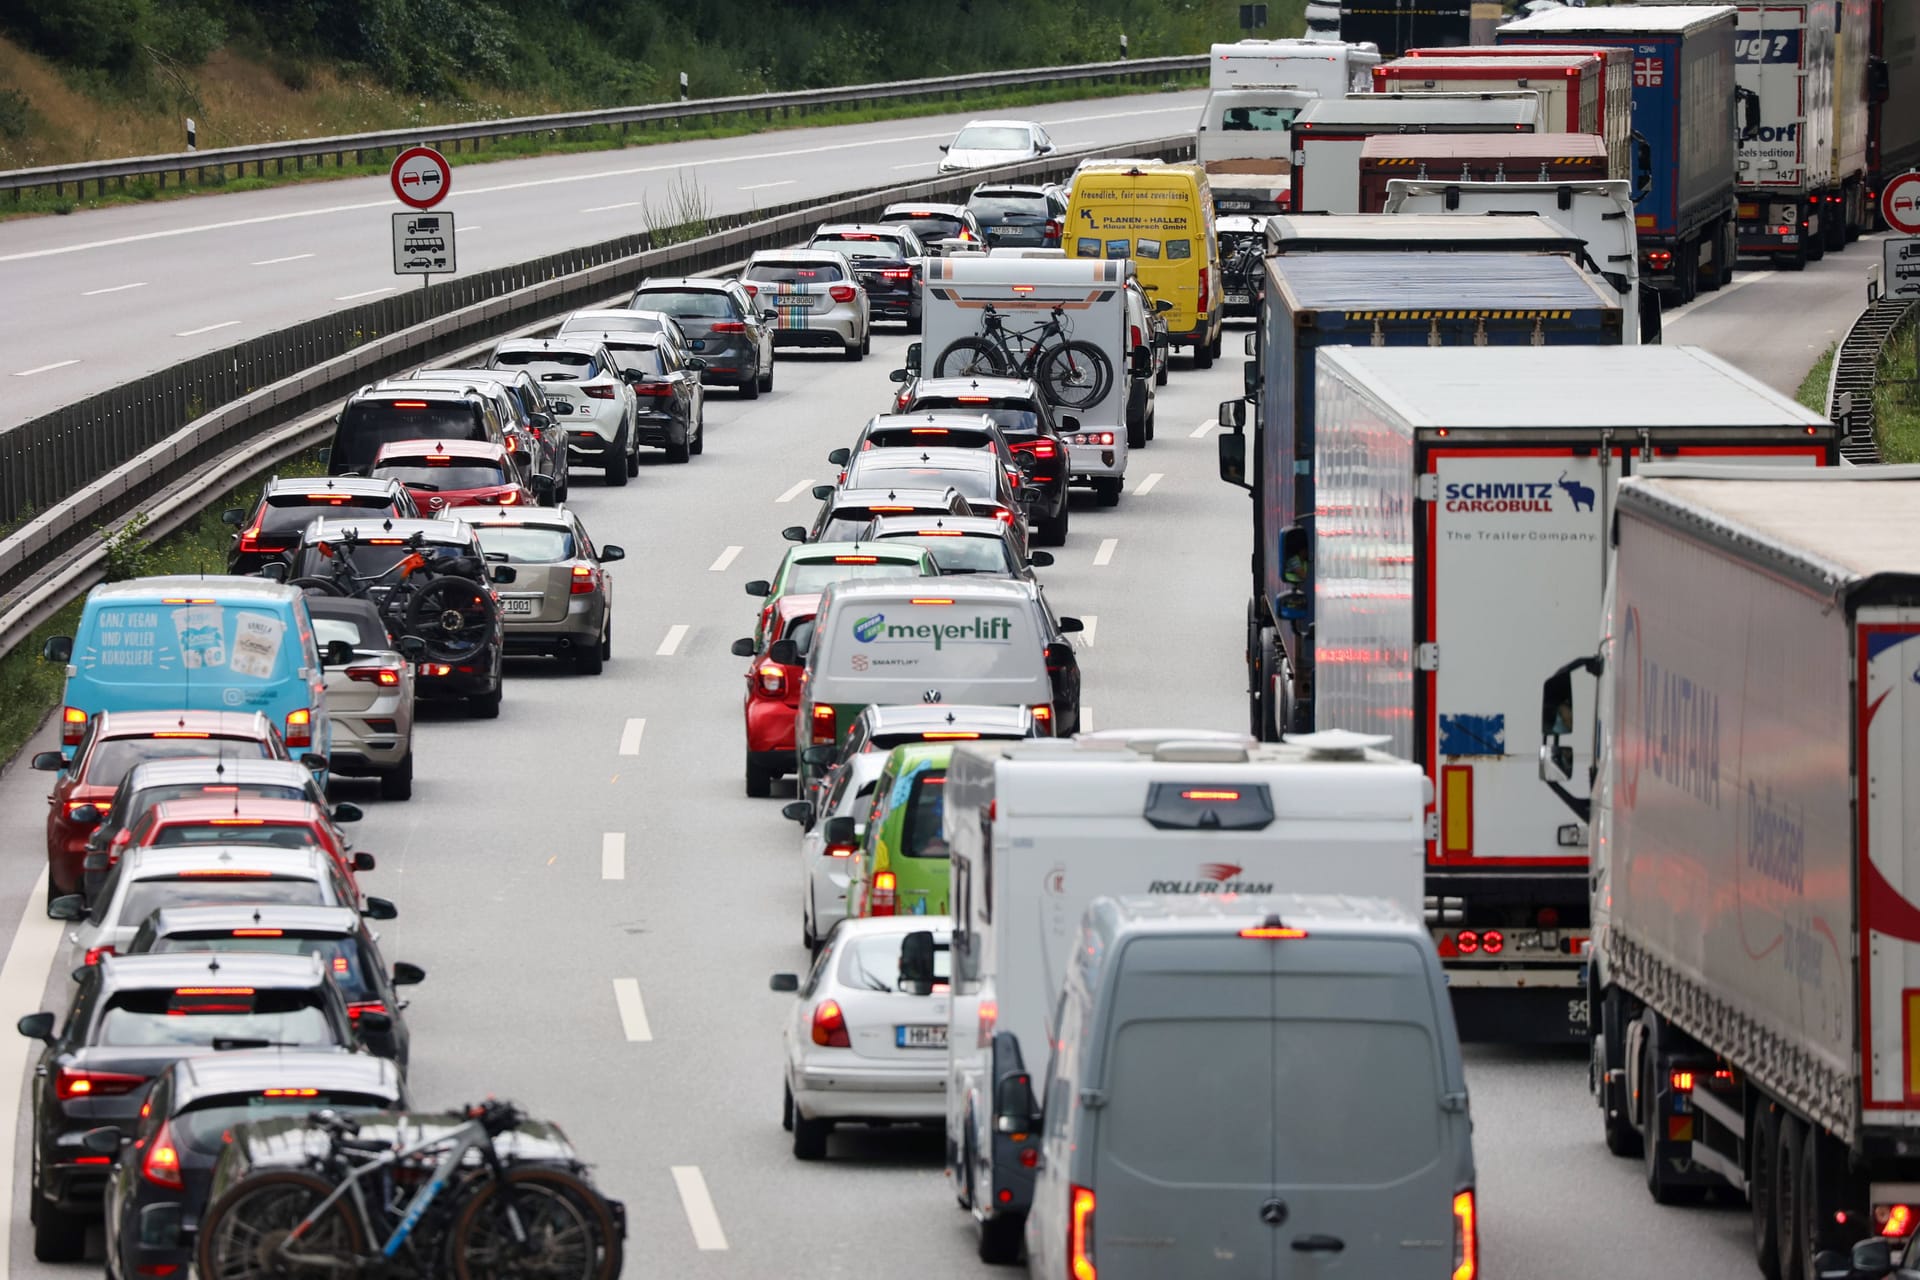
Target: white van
{"x": 1253, "y": 1087}
{"x": 972, "y": 298}
{"x": 1037, "y": 829}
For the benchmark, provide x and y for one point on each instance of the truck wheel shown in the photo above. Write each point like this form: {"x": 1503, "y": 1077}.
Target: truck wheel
{"x": 1712, "y": 277}
{"x": 1203, "y": 354}
{"x": 1616, "y": 1108}
{"x": 1763, "y": 1135}
{"x": 1001, "y": 1239}
{"x": 1816, "y": 245}
{"x": 1660, "y": 1181}
{"x": 1787, "y": 1219}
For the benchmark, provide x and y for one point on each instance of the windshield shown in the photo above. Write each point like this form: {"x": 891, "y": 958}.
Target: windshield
{"x": 1006, "y": 417}
{"x": 340, "y": 955}
{"x": 967, "y": 554}
{"x": 1258, "y": 119}
{"x": 108, "y": 762}
{"x": 144, "y": 897}
{"x": 440, "y": 477}
{"x": 526, "y": 544}
{"x": 549, "y": 366}
{"x": 204, "y": 1015}
{"x": 872, "y": 962}
{"x": 863, "y": 245}
{"x": 367, "y": 425}
{"x": 290, "y": 512}
{"x": 793, "y": 273}
{"x": 692, "y": 304}
{"x": 236, "y": 831}
{"x": 812, "y": 577}
{"x": 207, "y": 1126}
{"x": 993, "y": 138}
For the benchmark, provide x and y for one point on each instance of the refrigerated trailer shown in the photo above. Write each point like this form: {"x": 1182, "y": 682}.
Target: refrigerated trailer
{"x": 1458, "y": 553}
{"x": 1328, "y": 135}
{"x": 1756, "y": 958}
{"x": 1573, "y": 88}
{"x": 1893, "y": 97}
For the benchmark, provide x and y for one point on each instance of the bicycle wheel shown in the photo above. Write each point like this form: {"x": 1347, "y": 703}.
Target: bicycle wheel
{"x": 1074, "y": 375}
{"x": 245, "y": 1232}
{"x": 318, "y": 586}
{"x": 454, "y": 618}
{"x": 569, "y": 1231}
{"x": 968, "y": 357}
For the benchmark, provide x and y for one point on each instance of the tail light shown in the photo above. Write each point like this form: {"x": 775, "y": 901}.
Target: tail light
{"x": 1681, "y": 1081}
{"x": 1493, "y": 942}
{"x": 1036, "y": 448}
{"x": 250, "y": 536}
{"x": 386, "y": 677}
{"x": 830, "y": 1025}
{"x": 161, "y": 1166}
{"x": 599, "y": 393}
{"x": 73, "y": 805}
{"x": 1052, "y": 230}
{"x": 1468, "y": 941}
{"x": 513, "y": 443}
{"x": 753, "y": 290}
{"x": 989, "y": 1022}
{"x": 824, "y": 727}
{"x": 511, "y": 498}
{"x": 1094, "y": 438}
{"x": 585, "y": 580}
{"x": 773, "y": 677}
{"x": 1003, "y": 515}
{"x": 883, "y": 893}
{"x": 1899, "y": 1222}
{"x": 73, "y": 726}
{"x": 71, "y": 1083}
{"x": 1659, "y": 259}
{"x": 1080, "y": 1235}
{"x": 655, "y": 389}
{"x": 841, "y": 292}
{"x": 1133, "y": 336}
{"x": 300, "y": 728}
{"x": 1043, "y": 716}
{"x": 1201, "y": 305}
{"x": 435, "y": 669}
{"x": 1466, "y": 1238}
{"x": 357, "y": 1007}
{"x": 94, "y": 953}
{"x": 727, "y": 326}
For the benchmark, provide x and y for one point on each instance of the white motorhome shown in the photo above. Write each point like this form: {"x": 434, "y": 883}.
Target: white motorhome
{"x": 1038, "y": 829}
{"x": 1328, "y": 68}
{"x": 968, "y": 294}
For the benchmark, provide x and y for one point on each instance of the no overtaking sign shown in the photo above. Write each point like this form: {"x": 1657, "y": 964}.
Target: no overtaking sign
{"x": 421, "y": 177}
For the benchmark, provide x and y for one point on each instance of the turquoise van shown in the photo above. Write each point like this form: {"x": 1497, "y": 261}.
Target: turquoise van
{"x": 196, "y": 644}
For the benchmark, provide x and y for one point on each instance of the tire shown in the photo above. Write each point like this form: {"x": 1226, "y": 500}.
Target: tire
{"x": 1074, "y": 375}
{"x": 1213, "y": 348}
{"x": 318, "y": 586}
{"x": 570, "y": 1219}
{"x": 1106, "y": 490}
{"x": 1816, "y": 246}
{"x": 616, "y": 464}
{"x": 58, "y": 1236}
{"x": 914, "y": 325}
{"x": 1053, "y": 533}
{"x": 866, "y": 342}
{"x": 485, "y": 707}
{"x": 1263, "y": 720}
{"x": 1203, "y": 355}
{"x": 470, "y": 605}
{"x": 1787, "y": 1219}
{"x": 1137, "y": 418}
{"x": 1160, "y": 375}
{"x": 1762, "y": 1139}
{"x": 766, "y": 379}
{"x": 699, "y": 443}
{"x": 750, "y": 389}
{"x": 786, "y": 1107}
{"x": 1152, "y": 413}
{"x": 850, "y": 352}
{"x": 969, "y": 356}
{"x": 1659, "y": 1185}
{"x": 1797, "y": 261}
{"x": 606, "y": 641}
{"x": 397, "y": 783}
{"x": 1616, "y": 1118}
{"x": 590, "y": 660}
{"x": 759, "y": 780}
{"x": 677, "y": 452}
{"x": 266, "y": 1203}
{"x": 1001, "y": 1240}
{"x": 810, "y": 1137}
{"x": 1823, "y": 1195}
{"x": 1710, "y": 281}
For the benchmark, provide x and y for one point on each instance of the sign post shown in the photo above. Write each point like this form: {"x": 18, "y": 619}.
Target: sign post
{"x": 422, "y": 242}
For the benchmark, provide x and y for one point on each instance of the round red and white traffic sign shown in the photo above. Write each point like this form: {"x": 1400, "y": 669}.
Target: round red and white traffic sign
{"x": 1900, "y": 204}
{"x": 421, "y": 177}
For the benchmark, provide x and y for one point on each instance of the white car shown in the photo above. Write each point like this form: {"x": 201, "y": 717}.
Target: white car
{"x": 587, "y": 394}
{"x": 867, "y": 1040}
{"x": 816, "y": 296}
{"x": 825, "y": 864}
{"x": 984, "y": 143}
{"x": 594, "y": 322}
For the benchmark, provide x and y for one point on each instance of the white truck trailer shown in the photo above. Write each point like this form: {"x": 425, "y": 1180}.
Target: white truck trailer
{"x": 1037, "y": 829}
{"x": 1756, "y": 958}
{"x": 1329, "y": 135}
{"x": 1328, "y": 68}
{"x": 1458, "y": 554}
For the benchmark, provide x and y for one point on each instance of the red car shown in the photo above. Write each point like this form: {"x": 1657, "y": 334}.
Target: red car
{"x": 115, "y": 741}
{"x": 286, "y": 824}
{"x": 453, "y": 473}
{"x": 773, "y": 693}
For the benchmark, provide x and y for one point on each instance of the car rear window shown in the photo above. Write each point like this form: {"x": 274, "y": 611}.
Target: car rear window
{"x": 341, "y": 956}
{"x": 872, "y": 962}
{"x": 441, "y": 476}
{"x": 109, "y": 761}
{"x": 808, "y": 578}
{"x": 929, "y": 437}
{"x": 204, "y": 1015}
{"x": 926, "y": 807}
{"x": 357, "y": 632}
{"x": 998, "y": 208}
{"x": 207, "y": 1126}
{"x": 291, "y": 512}
{"x": 368, "y": 424}
{"x": 1006, "y": 417}
{"x": 611, "y": 324}
{"x": 549, "y": 366}
{"x": 646, "y": 361}
{"x": 144, "y": 897}
{"x": 861, "y": 245}
{"x": 689, "y": 304}
{"x": 372, "y": 558}
{"x": 930, "y": 229}
{"x": 974, "y": 486}
{"x": 526, "y": 544}
{"x": 794, "y": 273}
{"x": 239, "y": 831}
{"x": 968, "y": 553}
{"x": 144, "y": 799}
{"x": 1257, "y": 119}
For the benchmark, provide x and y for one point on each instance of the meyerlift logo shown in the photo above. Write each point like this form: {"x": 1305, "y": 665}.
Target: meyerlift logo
{"x": 865, "y": 630}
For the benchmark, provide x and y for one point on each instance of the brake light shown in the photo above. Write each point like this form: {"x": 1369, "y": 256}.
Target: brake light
{"x": 1080, "y": 1234}
{"x": 841, "y": 292}
{"x": 1493, "y": 942}
{"x": 824, "y": 726}
{"x": 435, "y": 669}
{"x": 1466, "y": 1238}
{"x": 930, "y": 600}
{"x": 182, "y": 733}
{"x": 856, "y": 559}
{"x": 1659, "y": 259}
{"x": 830, "y": 1025}
{"x": 1133, "y": 336}
{"x": 773, "y": 677}
{"x": 1468, "y": 942}
{"x": 1681, "y": 1081}
{"x": 300, "y": 728}
{"x": 225, "y": 873}
{"x": 289, "y": 1093}
{"x": 1094, "y": 437}
{"x": 1038, "y": 448}
{"x": 259, "y": 933}
{"x": 1273, "y": 932}
{"x": 584, "y": 582}
{"x": 1003, "y": 515}
{"x": 1052, "y": 230}
{"x": 94, "y": 953}
{"x": 841, "y": 850}
{"x": 1201, "y": 305}
{"x": 358, "y": 1007}
{"x": 510, "y": 498}
{"x": 655, "y": 389}
{"x": 250, "y": 536}
{"x": 599, "y": 393}
{"x": 900, "y": 273}
{"x": 1043, "y": 716}
{"x": 73, "y": 726}
{"x": 1020, "y": 288}
{"x": 409, "y": 404}
{"x": 72, "y": 1083}
{"x": 883, "y": 893}
{"x": 727, "y": 326}
{"x": 374, "y": 675}
{"x": 948, "y": 735}
{"x": 161, "y": 1166}
{"x": 927, "y": 431}
{"x": 1899, "y": 1222}
{"x": 237, "y": 822}
{"x": 752, "y": 289}
{"x": 1210, "y": 795}
{"x": 213, "y": 991}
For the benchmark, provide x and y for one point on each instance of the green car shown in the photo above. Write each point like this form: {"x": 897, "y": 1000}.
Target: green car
{"x": 808, "y": 569}
{"x": 903, "y": 860}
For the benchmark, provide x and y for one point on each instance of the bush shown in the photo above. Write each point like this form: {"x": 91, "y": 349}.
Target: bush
{"x": 15, "y": 115}
{"x": 103, "y": 34}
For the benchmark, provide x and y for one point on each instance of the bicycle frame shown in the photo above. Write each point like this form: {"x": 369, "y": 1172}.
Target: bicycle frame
{"x": 469, "y": 1137}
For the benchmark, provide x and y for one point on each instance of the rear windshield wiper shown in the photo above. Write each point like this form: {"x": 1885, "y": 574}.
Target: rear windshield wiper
{"x": 251, "y": 1042}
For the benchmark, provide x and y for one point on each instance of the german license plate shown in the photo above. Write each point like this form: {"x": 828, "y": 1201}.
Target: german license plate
{"x": 1238, "y": 299}
{"x": 921, "y": 1036}
{"x": 516, "y": 604}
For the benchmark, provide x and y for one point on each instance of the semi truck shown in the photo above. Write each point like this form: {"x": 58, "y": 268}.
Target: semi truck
{"x": 1326, "y": 68}
{"x": 1477, "y": 157}
{"x": 1457, "y": 554}
{"x": 1683, "y": 113}
{"x": 1037, "y": 829}
{"x": 1398, "y": 25}
{"x": 1893, "y": 97}
{"x": 1243, "y": 143}
{"x": 1755, "y": 965}
{"x": 1328, "y": 134}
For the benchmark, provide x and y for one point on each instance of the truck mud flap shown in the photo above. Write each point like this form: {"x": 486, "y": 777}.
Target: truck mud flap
{"x": 1013, "y": 1175}
{"x": 1503, "y": 1015}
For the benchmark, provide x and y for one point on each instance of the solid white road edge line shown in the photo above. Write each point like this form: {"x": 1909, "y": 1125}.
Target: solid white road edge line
{"x": 22, "y": 980}
{"x": 1204, "y": 429}
{"x": 364, "y": 293}
{"x": 1105, "y": 554}
{"x": 604, "y": 208}
{"x": 630, "y": 736}
{"x": 795, "y": 492}
{"x": 633, "y": 1014}
{"x": 725, "y": 559}
{"x": 205, "y": 328}
{"x": 292, "y": 257}
{"x": 1146, "y": 486}
{"x": 114, "y": 288}
{"x": 762, "y": 186}
{"x": 694, "y": 1198}
{"x": 46, "y": 368}
{"x": 675, "y": 634}
{"x": 1092, "y": 621}
{"x": 613, "y": 856}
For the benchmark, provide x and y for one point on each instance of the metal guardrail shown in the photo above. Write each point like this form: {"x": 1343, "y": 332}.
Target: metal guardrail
{"x": 1856, "y": 366}
{"x": 134, "y": 446}
{"x": 219, "y": 160}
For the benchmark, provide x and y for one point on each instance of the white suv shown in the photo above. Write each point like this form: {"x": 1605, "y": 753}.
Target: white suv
{"x": 587, "y": 394}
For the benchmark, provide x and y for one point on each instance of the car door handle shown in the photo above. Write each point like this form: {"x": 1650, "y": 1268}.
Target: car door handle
{"x": 1318, "y": 1244}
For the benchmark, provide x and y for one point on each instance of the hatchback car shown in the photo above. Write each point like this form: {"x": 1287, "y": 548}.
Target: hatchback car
{"x": 453, "y": 473}
{"x": 561, "y": 599}
{"x": 585, "y": 391}
{"x": 114, "y": 742}
{"x": 227, "y": 820}
{"x": 670, "y": 403}
{"x": 131, "y": 1019}
{"x": 901, "y": 868}
{"x": 773, "y": 690}
{"x": 661, "y": 328}
{"x": 829, "y": 842}
{"x": 538, "y": 443}
{"x": 807, "y": 569}
{"x": 878, "y": 729}
{"x": 370, "y": 684}
{"x": 1019, "y": 215}
{"x": 985, "y": 143}
{"x": 888, "y": 262}
{"x": 724, "y": 325}
{"x": 816, "y": 297}
{"x": 866, "y": 1041}
{"x": 844, "y": 512}
{"x": 157, "y": 1190}
{"x": 978, "y": 474}
{"x": 1027, "y": 421}
{"x": 944, "y": 429}
{"x": 287, "y": 505}
{"x": 977, "y": 545}
{"x": 934, "y": 222}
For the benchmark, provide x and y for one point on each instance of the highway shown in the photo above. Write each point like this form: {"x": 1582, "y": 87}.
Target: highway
{"x": 99, "y": 298}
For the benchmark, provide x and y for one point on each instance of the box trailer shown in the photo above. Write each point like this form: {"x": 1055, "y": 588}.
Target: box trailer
{"x": 1755, "y": 972}
{"x": 1573, "y": 91}
{"x": 1683, "y": 122}
{"x": 1397, "y": 25}
{"x": 1328, "y": 68}
{"x": 1477, "y": 157}
{"x": 1328, "y": 135}
{"x": 1036, "y": 830}
{"x": 1458, "y": 553}
{"x": 1893, "y": 97}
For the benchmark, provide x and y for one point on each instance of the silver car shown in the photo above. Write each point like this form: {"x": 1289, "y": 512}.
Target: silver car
{"x": 985, "y": 143}
{"x": 369, "y": 692}
{"x": 818, "y": 299}
{"x": 561, "y": 599}
{"x": 826, "y": 864}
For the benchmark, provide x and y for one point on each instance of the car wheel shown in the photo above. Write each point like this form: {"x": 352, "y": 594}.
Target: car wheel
{"x": 759, "y": 780}
{"x": 606, "y": 640}
{"x": 1203, "y": 355}
{"x": 58, "y": 1236}
{"x": 397, "y": 783}
{"x": 1137, "y": 417}
{"x": 1160, "y": 375}
{"x": 486, "y": 706}
{"x": 1000, "y": 1240}
{"x": 1053, "y": 533}
{"x": 614, "y": 462}
{"x": 914, "y": 324}
{"x": 766, "y": 379}
{"x": 589, "y": 659}
{"x": 851, "y": 351}
{"x": 677, "y": 452}
{"x": 866, "y": 342}
{"x": 750, "y": 389}
{"x": 1213, "y": 348}
{"x": 810, "y": 1137}
{"x": 561, "y": 490}
{"x": 1107, "y": 490}
{"x": 1151, "y": 414}
{"x": 699, "y": 445}
{"x": 53, "y": 891}
{"x": 786, "y": 1107}
{"x": 633, "y": 460}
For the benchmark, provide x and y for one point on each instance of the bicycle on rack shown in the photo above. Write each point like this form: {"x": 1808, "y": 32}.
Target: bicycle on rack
{"x": 350, "y": 1213}
{"x": 444, "y": 601}
{"x": 1072, "y": 374}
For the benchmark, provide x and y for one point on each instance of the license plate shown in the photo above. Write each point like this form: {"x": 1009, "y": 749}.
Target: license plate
{"x": 921, "y": 1036}
{"x": 1238, "y": 299}
{"x": 516, "y": 604}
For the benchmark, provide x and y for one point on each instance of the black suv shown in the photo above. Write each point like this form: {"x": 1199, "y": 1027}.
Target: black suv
{"x": 887, "y": 261}
{"x": 1025, "y": 419}
{"x": 374, "y": 416}
{"x": 288, "y": 506}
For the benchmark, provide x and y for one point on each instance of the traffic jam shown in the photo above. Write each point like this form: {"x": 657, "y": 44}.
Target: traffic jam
{"x": 1502, "y": 779}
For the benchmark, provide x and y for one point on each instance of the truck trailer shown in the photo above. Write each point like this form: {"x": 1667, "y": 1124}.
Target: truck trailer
{"x": 1397, "y": 25}
{"x": 1328, "y": 135}
{"x": 1683, "y": 113}
{"x": 1755, "y": 972}
{"x": 1893, "y": 97}
{"x": 1324, "y": 67}
{"x": 1477, "y": 157}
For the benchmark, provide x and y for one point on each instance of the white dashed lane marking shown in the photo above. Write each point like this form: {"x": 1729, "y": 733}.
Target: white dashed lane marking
{"x": 698, "y": 1203}
{"x": 725, "y": 559}
{"x": 633, "y": 1014}
{"x": 1105, "y": 554}
{"x": 613, "y": 856}
{"x": 675, "y": 634}
{"x": 630, "y": 735}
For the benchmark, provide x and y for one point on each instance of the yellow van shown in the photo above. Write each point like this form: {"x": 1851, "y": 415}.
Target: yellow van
{"x": 1161, "y": 216}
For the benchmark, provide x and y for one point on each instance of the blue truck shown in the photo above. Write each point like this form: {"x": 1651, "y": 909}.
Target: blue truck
{"x": 1684, "y": 127}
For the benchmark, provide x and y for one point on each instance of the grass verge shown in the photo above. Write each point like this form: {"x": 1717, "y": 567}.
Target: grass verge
{"x": 30, "y": 686}
{"x": 1896, "y": 398}
{"x": 598, "y": 138}
{"x": 1813, "y": 387}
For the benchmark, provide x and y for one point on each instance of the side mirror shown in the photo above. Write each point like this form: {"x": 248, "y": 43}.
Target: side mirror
{"x": 1232, "y": 449}
{"x": 503, "y": 573}
{"x": 87, "y": 815}
{"x": 104, "y": 1141}
{"x": 363, "y": 861}
{"x": 543, "y": 489}
{"x": 839, "y": 458}
{"x": 347, "y": 811}
{"x": 1041, "y": 559}
{"x": 314, "y": 761}
{"x": 945, "y": 147}
{"x": 36, "y": 1026}
{"x": 413, "y": 648}
{"x": 913, "y": 357}
{"x": 916, "y": 962}
{"x": 1068, "y": 626}
{"x": 57, "y": 649}
{"x": 771, "y": 316}
{"x": 274, "y": 571}
{"x": 784, "y": 982}
{"x": 49, "y": 761}
{"x": 794, "y": 533}
{"x": 1162, "y": 305}
{"x": 540, "y": 421}
{"x": 1296, "y": 554}
{"x": 784, "y": 652}
{"x": 817, "y": 755}
{"x": 898, "y": 375}
{"x": 608, "y": 554}
{"x": 1873, "y": 1257}
{"x": 1142, "y": 360}
{"x": 800, "y": 811}
{"x": 842, "y": 831}
{"x": 1014, "y": 1110}
{"x": 69, "y": 907}
{"x": 374, "y": 1023}
{"x": 1233, "y": 415}
{"x": 743, "y": 647}
{"x": 234, "y": 516}
{"x": 380, "y": 909}
{"x": 759, "y": 587}
{"x": 696, "y": 363}
{"x": 408, "y": 975}
{"x": 338, "y": 653}
{"x": 823, "y": 491}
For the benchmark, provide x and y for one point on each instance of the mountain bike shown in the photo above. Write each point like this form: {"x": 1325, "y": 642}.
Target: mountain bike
{"x": 350, "y": 1213}
{"x": 447, "y": 605}
{"x": 1072, "y": 374}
